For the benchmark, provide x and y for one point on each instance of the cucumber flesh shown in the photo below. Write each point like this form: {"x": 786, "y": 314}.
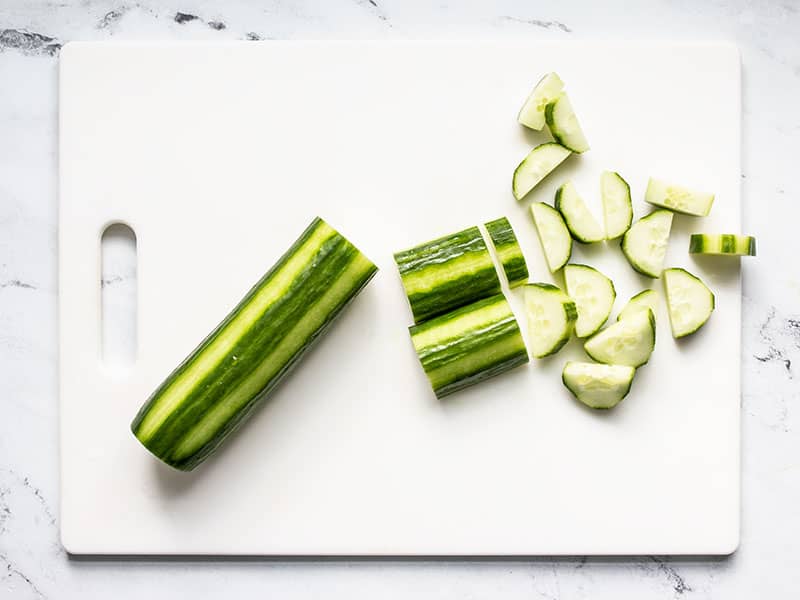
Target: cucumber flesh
{"x": 551, "y": 318}
{"x": 580, "y": 221}
{"x": 532, "y": 112}
{"x": 553, "y": 234}
{"x": 448, "y": 272}
{"x": 722, "y": 244}
{"x": 593, "y": 294}
{"x": 627, "y": 342}
{"x": 470, "y": 344}
{"x": 689, "y": 301}
{"x": 506, "y": 246}
{"x": 645, "y": 243}
{"x": 539, "y": 163}
{"x": 640, "y": 302}
{"x": 229, "y": 374}
{"x": 598, "y": 386}
{"x": 564, "y": 125}
{"x": 617, "y": 207}
{"x": 678, "y": 198}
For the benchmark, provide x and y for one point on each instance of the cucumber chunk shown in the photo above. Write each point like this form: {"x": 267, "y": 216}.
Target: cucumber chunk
{"x": 539, "y": 163}
{"x": 645, "y": 243}
{"x": 532, "y": 112}
{"x": 689, "y": 301}
{"x": 551, "y": 318}
{"x": 640, "y": 302}
{"x": 564, "y": 125}
{"x": 617, "y": 207}
{"x": 627, "y": 342}
{"x": 593, "y": 294}
{"x": 598, "y": 386}
{"x": 469, "y": 345}
{"x": 580, "y": 221}
{"x": 553, "y": 234}
{"x": 508, "y": 251}
{"x": 678, "y": 198}
{"x": 722, "y": 244}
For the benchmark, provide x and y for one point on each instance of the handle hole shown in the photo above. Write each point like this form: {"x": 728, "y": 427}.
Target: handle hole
{"x": 118, "y": 290}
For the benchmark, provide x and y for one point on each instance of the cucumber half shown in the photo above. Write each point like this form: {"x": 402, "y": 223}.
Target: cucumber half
{"x": 640, "y": 302}
{"x": 553, "y": 234}
{"x": 689, "y": 301}
{"x": 598, "y": 386}
{"x": 539, "y": 163}
{"x": 506, "y": 246}
{"x": 645, "y": 243}
{"x": 627, "y": 342}
{"x": 678, "y": 198}
{"x": 532, "y": 112}
{"x": 722, "y": 244}
{"x": 580, "y": 221}
{"x": 564, "y": 125}
{"x": 593, "y": 294}
{"x": 551, "y": 318}
{"x": 617, "y": 207}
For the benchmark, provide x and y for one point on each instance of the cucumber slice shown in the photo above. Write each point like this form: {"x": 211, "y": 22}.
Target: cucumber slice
{"x": 532, "y": 112}
{"x": 508, "y": 251}
{"x": 551, "y": 318}
{"x": 678, "y": 198}
{"x": 448, "y": 272}
{"x": 722, "y": 244}
{"x": 598, "y": 386}
{"x": 617, "y": 207}
{"x": 469, "y": 345}
{"x": 593, "y": 294}
{"x": 640, "y": 302}
{"x": 564, "y": 126}
{"x": 627, "y": 342}
{"x": 539, "y": 163}
{"x": 645, "y": 243}
{"x": 214, "y": 390}
{"x": 580, "y": 222}
{"x": 689, "y": 301}
{"x": 553, "y": 234}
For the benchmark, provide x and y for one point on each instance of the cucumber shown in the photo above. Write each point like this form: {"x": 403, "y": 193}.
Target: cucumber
{"x": 553, "y": 234}
{"x": 221, "y": 382}
{"x": 722, "y": 244}
{"x": 539, "y": 163}
{"x": 641, "y": 301}
{"x": 551, "y": 318}
{"x": 532, "y": 112}
{"x": 689, "y": 301}
{"x": 598, "y": 386}
{"x": 627, "y": 342}
{"x": 564, "y": 126}
{"x": 593, "y": 294}
{"x": 580, "y": 222}
{"x": 508, "y": 251}
{"x": 448, "y": 272}
{"x": 469, "y": 345}
{"x": 678, "y": 198}
{"x": 617, "y": 207}
{"x": 645, "y": 243}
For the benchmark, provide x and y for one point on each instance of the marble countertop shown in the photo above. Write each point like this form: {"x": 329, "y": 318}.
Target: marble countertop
{"x": 32, "y": 562}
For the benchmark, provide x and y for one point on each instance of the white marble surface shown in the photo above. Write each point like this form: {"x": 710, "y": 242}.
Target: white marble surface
{"x": 32, "y": 563}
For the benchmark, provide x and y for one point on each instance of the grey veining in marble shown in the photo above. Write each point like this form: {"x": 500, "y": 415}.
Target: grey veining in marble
{"x": 32, "y": 563}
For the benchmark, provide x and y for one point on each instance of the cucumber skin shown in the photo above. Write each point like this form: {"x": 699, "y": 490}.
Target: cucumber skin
{"x": 251, "y": 349}
{"x": 508, "y": 251}
{"x": 728, "y": 245}
{"x": 449, "y": 351}
{"x": 451, "y": 292}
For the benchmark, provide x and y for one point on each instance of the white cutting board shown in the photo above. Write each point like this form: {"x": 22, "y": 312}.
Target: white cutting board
{"x": 218, "y": 155}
